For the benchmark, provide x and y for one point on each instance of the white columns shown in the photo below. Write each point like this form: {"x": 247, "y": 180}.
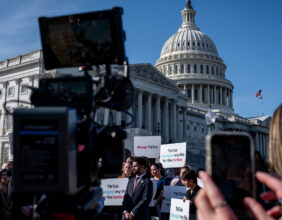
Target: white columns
{"x": 221, "y": 96}
{"x": 192, "y": 94}
{"x": 166, "y": 122}
{"x": 17, "y": 89}
{"x": 184, "y": 124}
{"x": 215, "y": 96}
{"x": 209, "y": 101}
{"x": 224, "y": 97}
{"x": 149, "y": 112}
{"x": 200, "y": 94}
{"x": 228, "y": 98}
{"x": 231, "y": 99}
{"x": 139, "y": 111}
{"x": 158, "y": 105}
{"x": 173, "y": 132}
{"x": 177, "y": 124}
{"x": 3, "y": 115}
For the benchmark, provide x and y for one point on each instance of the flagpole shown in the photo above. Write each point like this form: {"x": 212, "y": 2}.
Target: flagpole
{"x": 262, "y": 106}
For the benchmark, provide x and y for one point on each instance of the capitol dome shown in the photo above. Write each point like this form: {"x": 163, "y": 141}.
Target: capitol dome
{"x": 186, "y": 41}
{"x": 190, "y": 58}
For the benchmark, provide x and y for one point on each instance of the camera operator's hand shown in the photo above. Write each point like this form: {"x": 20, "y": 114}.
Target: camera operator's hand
{"x": 210, "y": 202}
{"x": 128, "y": 216}
{"x": 273, "y": 182}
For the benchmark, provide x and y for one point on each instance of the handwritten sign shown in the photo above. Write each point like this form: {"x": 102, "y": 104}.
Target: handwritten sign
{"x": 148, "y": 146}
{"x": 179, "y": 209}
{"x": 114, "y": 190}
{"x": 173, "y": 155}
{"x": 178, "y": 192}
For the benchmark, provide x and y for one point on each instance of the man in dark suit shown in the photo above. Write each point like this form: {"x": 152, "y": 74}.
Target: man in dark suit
{"x": 138, "y": 193}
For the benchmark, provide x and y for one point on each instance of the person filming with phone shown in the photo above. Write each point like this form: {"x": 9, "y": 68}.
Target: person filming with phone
{"x": 211, "y": 204}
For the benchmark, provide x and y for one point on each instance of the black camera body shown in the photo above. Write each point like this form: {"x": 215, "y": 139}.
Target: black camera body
{"x": 59, "y": 149}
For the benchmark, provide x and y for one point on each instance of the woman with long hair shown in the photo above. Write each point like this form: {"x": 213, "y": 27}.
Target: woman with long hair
{"x": 158, "y": 179}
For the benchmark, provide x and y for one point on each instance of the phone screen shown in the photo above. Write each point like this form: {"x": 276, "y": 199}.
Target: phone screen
{"x": 232, "y": 169}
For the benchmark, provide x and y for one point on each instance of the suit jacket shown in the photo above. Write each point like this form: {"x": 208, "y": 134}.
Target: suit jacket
{"x": 137, "y": 202}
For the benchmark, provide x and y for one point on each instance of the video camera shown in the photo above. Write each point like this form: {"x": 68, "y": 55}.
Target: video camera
{"x": 59, "y": 148}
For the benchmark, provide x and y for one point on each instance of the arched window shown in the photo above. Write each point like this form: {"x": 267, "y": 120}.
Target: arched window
{"x": 212, "y": 71}
{"x": 195, "y": 68}
{"x": 189, "y": 93}
{"x": 182, "y": 68}
{"x": 188, "y": 68}
{"x": 201, "y": 68}
{"x": 207, "y": 69}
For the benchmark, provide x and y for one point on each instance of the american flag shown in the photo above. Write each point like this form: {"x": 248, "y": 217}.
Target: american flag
{"x": 259, "y": 94}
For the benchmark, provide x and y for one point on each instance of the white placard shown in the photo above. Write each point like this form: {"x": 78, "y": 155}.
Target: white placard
{"x": 173, "y": 155}
{"x": 114, "y": 190}
{"x": 148, "y": 146}
{"x": 178, "y": 192}
{"x": 179, "y": 209}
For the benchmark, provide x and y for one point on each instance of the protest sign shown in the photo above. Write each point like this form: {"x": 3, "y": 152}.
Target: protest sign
{"x": 148, "y": 146}
{"x": 179, "y": 209}
{"x": 173, "y": 155}
{"x": 178, "y": 192}
{"x": 113, "y": 190}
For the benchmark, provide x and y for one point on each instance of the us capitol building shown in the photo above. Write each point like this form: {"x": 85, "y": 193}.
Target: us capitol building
{"x": 171, "y": 100}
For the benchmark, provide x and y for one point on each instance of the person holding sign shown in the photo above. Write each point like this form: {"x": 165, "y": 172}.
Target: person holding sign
{"x": 189, "y": 179}
{"x": 138, "y": 193}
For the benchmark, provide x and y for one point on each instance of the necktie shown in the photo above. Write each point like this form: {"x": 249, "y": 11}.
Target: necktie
{"x": 135, "y": 183}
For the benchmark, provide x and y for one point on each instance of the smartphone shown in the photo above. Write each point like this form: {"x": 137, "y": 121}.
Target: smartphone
{"x": 230, "y": 162}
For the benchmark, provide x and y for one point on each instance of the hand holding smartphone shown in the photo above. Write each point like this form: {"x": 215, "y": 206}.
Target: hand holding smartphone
{"x": 230, "y": 162}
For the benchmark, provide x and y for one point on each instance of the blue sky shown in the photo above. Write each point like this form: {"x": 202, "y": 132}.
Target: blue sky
{"x": 247, "y": 33}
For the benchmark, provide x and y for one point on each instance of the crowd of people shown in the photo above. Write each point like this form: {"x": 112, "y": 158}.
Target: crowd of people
{"x": 144, "y": 192}
{"x": 209, "y": 202}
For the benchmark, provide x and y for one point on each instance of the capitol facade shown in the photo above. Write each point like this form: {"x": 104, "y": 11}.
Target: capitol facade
{"x": 171, "y": 98}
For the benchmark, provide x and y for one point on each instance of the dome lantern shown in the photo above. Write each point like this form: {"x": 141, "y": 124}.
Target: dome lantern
{"x": 188, "y": 17}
